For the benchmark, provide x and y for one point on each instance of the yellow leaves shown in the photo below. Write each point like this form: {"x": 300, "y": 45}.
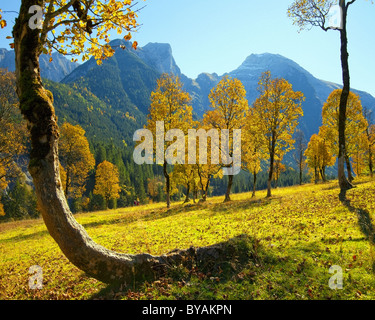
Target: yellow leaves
{"x": 277, "y": 110}
{"x": 317, "y": 153}
{"x": 3, "y": 23}
{"x": 169, "y": 103}
{"x": 76, "y": 29}
{"x": 3, "y": 181}
{"x": 76, "y": 157}
{"x": 308, "y": 13}
{"x": 107, "y": 181}
{"x": 356, "y": 123}
{"x": 229, "y": 104}
{"x": 2, "y": 212}
{"x": 12, "y": 128}
{"x": 128, "y": 37}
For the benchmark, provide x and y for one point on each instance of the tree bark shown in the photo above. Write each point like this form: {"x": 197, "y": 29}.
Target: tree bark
{"x": 272, "y": 160}
{"x": 322, "y": 174}
{"x": 37, "y": 108}
{"x": 167, "y": 184}
{"x": 254, "y": 184}
{"x": 343, "y": 181}
{"x": 348, "y": 168}
{"x": 205, "y": 188}
{"x": 187, "y": 193}
{"x": 229, "y": 188}
{"x": 67, "y": 183}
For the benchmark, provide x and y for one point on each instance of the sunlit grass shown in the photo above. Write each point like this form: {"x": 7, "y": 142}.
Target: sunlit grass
{"x": 303, "y": 230}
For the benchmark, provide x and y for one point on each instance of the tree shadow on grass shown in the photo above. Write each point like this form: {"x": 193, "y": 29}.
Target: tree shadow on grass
{"x": 364, "y": 218}
{"x": 240, "y": 205}
{"x": 220, "y": 262}
{"x": 149, "y": 215}
{"x": 25, "y": 237}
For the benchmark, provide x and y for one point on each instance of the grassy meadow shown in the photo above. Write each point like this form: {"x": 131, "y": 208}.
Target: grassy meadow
{"x": 290, "y": 241}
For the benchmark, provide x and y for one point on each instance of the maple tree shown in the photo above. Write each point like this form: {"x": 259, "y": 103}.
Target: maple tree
{"x": 229, "y": 107}
{"x": 107, "y": 181}
{"x": 356, "y": 124}
{"x": 370, "y": 132}
{"x": 300, "y": 147}
{"x": 153, "y": 187}
{"x": 13, "y": 133}
{"x": 253, "y": 146}
{"x": 207, "y": 164}
{"x": 318, "y": 156}
{"x": 185, "y": 174}
{"x": 169, "y": 105}
{"x": 371, "y": 139}
{"x": 76, "y": 159}
{"x": 315, "y": 13}
{"x": 359, "y": 153}
{"x": 278, "y": 109}
{"x": 76, "y": 27}
{"x": 278, "y": 168}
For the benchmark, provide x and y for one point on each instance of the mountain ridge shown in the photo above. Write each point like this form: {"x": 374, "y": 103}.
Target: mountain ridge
{"x": 126, "y": 80}
{"x": 55, "y": 70}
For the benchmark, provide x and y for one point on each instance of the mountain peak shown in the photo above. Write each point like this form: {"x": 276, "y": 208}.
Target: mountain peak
{"x": 267, "y": 61}
{"x": 159, "y": 56}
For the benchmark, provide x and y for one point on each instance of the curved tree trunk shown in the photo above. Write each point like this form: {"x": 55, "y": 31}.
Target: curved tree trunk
{"x": 36, "y": 105}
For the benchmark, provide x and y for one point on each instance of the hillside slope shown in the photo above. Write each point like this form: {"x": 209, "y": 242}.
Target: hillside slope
{"x": 283, "y": 248}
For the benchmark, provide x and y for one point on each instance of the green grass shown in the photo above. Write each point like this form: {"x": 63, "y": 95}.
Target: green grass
{"x": 292, "y": 240}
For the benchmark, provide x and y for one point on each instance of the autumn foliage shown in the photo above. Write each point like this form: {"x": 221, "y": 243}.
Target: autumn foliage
{"x": 277, "y": 111}
{"x": 107, "y": 181}
{"x": 76, "y": 159}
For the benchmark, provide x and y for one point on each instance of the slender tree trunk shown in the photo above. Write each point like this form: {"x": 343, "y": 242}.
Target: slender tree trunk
{"x": 167, "y": 184}
{"x": 349, "y": 168}
{"x": 107, "y": 202}
{"x": 316, "y": 175}
{"x": 187, "y": 193}
{"x": 322, "y": 174}
{"x": 36, "y": 107}
{"x": 254, "y": 184}
{"x": 343, "y": 181}
{"x": 270, "y": 173}
{"x": 229, "y": 188}
{"x": 195, "y": 193}
{"x": 276, "y": 180}
{"x": 300, "y": 169}
{"x": 205, "y": 188}
{"x": 370, "y": 164}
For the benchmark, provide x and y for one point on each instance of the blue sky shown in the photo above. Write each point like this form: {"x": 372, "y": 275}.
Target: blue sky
{"x": 217, "y": 36}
